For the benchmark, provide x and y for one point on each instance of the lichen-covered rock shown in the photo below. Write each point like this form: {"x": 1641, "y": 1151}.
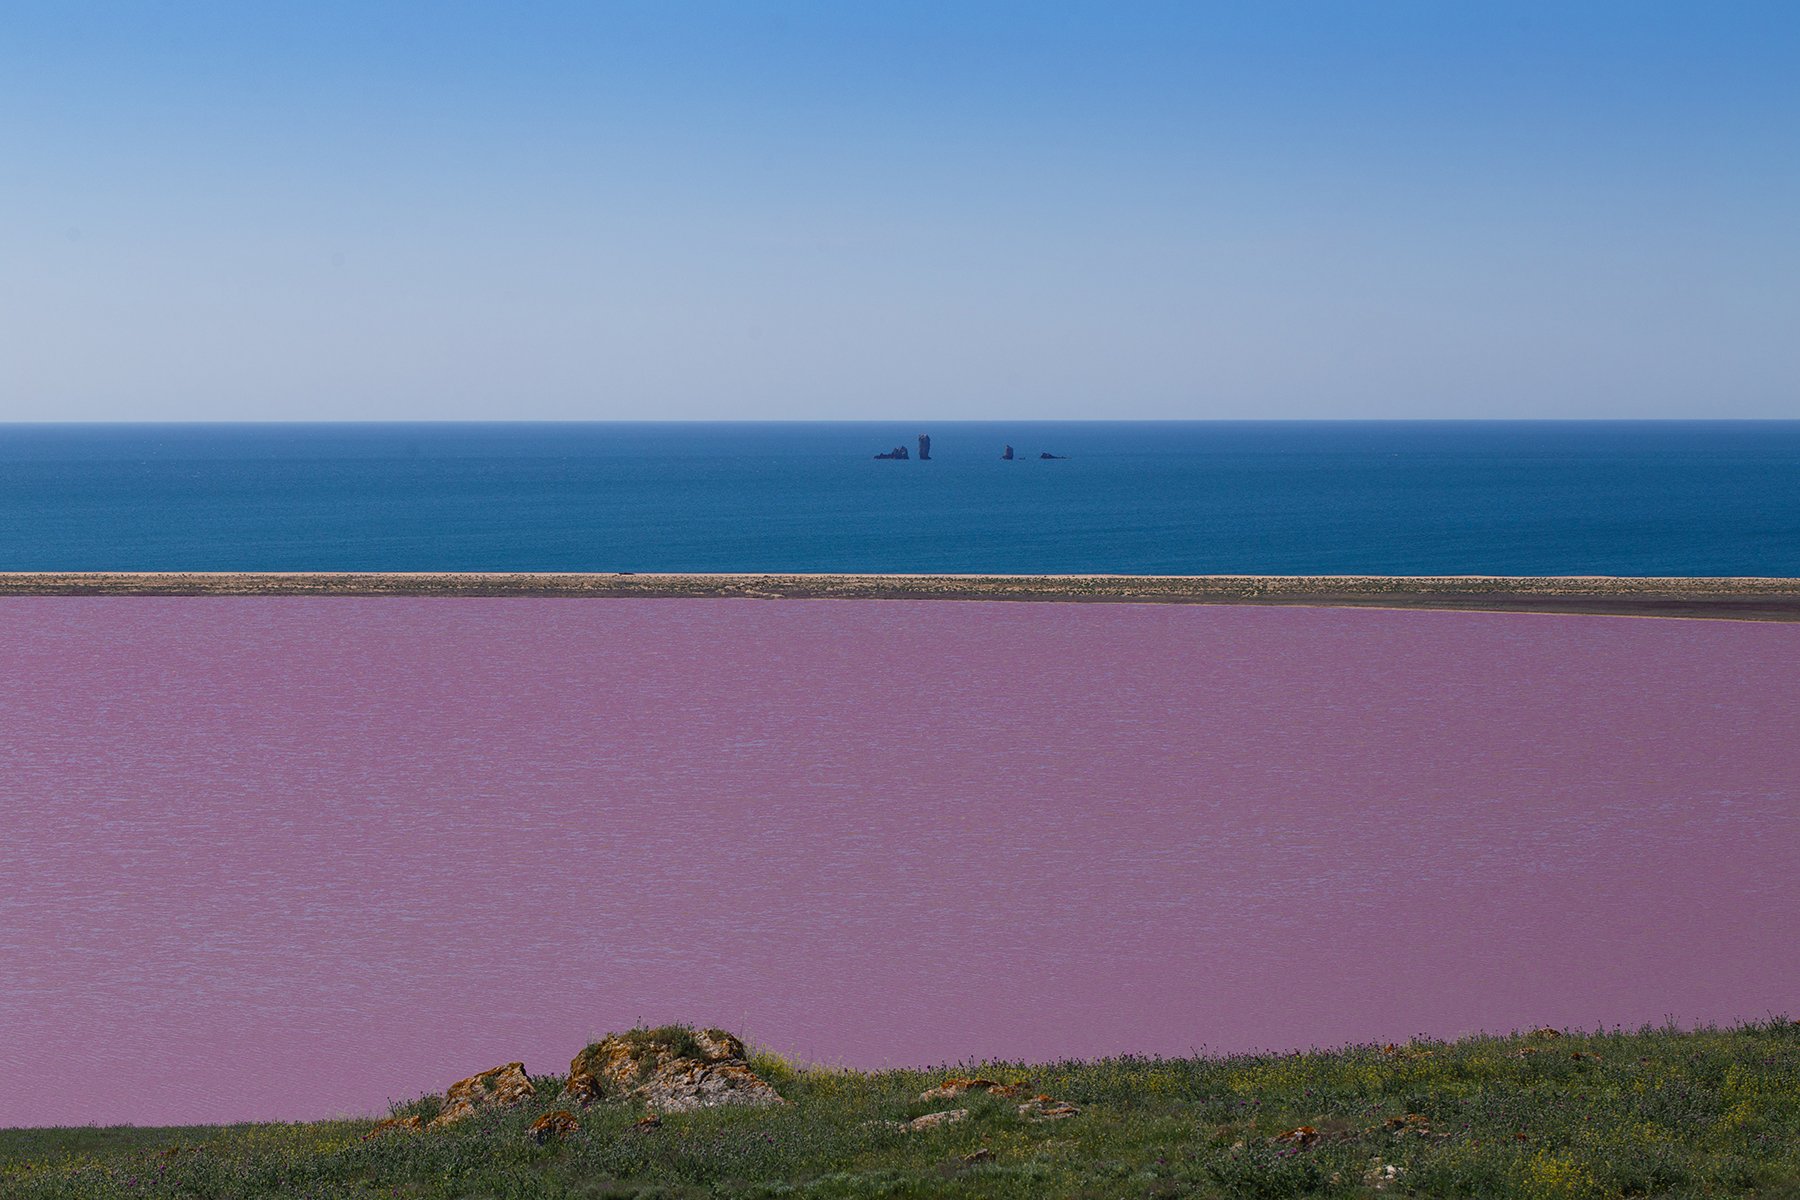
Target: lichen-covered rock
{"x": 957, "y": 1085}
{"x": 503, "y": 1086}
{"x": 1409, "y": 1123}
{"x": 396, "y": 1124}
{"x": 453, "y": 1113}
{"x": 1035, "y": 1108}
{"x": 683, "y": 1087}
{"x": 583, "y": 1089}
{"x": 1044, "y": 1108}
{"x": 498, "y": 1087}
{"x": 717, "y": 1046}
{"x": 553, "y": 1125}
{"x": 672, "y": 1069}
{"x": 934, "y": 1120}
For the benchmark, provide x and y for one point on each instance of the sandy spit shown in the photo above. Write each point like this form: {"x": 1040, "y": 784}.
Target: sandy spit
{"x": 1751, "y": 599}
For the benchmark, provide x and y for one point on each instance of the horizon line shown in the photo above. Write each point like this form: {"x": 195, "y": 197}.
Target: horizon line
{"x": 374, "y": 421}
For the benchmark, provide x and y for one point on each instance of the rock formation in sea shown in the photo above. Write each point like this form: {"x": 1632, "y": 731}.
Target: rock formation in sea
{"x": 896, "y": 452}
{"x": 1047, "y": 454}
{"x": 1006, "y": 454}
{"x": 669, "y": 1070}
{"x": 924, "y": 447}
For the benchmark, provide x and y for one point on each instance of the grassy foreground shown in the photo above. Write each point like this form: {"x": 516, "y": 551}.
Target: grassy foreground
{"x": 1649, "y": 1113}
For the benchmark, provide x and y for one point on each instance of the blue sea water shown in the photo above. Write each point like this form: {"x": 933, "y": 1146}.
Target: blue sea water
{"x": 1624, "y": 498}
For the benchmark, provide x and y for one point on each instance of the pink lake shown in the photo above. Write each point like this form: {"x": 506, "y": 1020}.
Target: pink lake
{"x": 290, "y": 858}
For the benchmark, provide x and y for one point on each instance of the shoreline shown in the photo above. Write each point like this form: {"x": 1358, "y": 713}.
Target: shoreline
{"x": 1717, "y": 598}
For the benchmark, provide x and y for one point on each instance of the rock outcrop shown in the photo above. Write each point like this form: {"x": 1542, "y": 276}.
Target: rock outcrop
{"x": 1044, "y": 1108}
{"x": 669, "y": 1070}
{"x": 924, "y": 447}
{"x": 1035, "y": 1108}
{"x": 552, "y": 1126}
{"x": 1006, "y": 453}
{"x": 395, "y": 1125}
{"x": 1047, "y": 454}
{"x": 1413, "y": 1124}
{"x": 896, "y": 452}
{"x": 499, "y": 1087}
{"x": 957, "y": 1085}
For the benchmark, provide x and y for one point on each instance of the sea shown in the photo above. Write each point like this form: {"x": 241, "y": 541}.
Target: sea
{"x": 1571, "y": 497}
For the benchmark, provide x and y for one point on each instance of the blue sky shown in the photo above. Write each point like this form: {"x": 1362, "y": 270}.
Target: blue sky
{"x": 861, "y": 210}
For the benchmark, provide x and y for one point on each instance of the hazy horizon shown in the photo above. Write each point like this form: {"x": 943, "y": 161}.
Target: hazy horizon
{"x": 996, "y": 211}
{"x": 900, "y": 421}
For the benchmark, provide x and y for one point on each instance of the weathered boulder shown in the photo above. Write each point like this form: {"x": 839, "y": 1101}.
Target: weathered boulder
{"x": 934, "y": 1120}
{"x": 1045, "y": 1108}
{"x": 718, "y": 1046}
{"x": 707, "y": 1085}
{"x": 553, "y": 1125}
{"x": 1036, "y": 1108}
{"x": 1416, "y": 1124}
{"x": 672, "y": 1069}
{"x": 395, "y": 1125}
{"x": 498, "y": 1087}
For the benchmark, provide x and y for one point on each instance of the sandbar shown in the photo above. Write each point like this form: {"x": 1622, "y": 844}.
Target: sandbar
{"x": 1730, "y": 598}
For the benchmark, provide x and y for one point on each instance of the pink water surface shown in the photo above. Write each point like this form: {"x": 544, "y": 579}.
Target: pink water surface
{"x": 285, "y": 858}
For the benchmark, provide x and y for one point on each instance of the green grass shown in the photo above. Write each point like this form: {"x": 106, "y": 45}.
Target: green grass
{"x": 1657, "y": 1113}
{"x": 678, "y": 1040}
